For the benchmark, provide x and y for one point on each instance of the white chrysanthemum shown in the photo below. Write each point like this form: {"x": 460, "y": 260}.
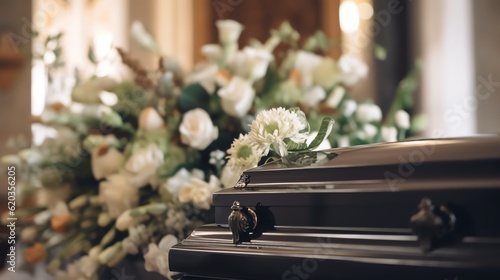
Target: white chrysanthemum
{"x": 244, "y": 152}
{"x": 272, "y": 127}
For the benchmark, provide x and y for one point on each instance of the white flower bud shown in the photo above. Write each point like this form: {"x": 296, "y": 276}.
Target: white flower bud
{"x": 370, "y": 130}
{"x": 368, "y": 113}
{"x": 335, "y": 97}
{"x": 229, "y": 31}
{"x": 389, "y": 134}
{"x": 349, "y": 108}
{"x": 149, "y": 120}
{"x": 29, "y": 234}
{"x": 402, "y": 119}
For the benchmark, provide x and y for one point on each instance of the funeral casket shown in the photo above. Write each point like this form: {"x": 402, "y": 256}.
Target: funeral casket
{"x": 424, "y": 209}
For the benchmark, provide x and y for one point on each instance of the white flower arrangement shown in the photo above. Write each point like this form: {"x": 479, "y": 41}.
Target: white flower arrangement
{"x": 140, "y": 174}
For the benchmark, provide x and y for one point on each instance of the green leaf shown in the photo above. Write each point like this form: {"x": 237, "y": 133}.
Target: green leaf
{"x": 194, "y": 96}
{"x": 324, "y": 130}
{"x": 293, "y": 146}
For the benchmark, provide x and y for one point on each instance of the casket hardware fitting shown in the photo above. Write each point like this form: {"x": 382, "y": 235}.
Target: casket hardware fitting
{"x": 242, "y": 182}
{"x": 241, "y": 221}
{"x": 431, "y": 225}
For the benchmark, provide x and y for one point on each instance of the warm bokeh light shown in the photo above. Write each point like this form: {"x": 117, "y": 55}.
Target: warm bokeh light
{"x": 349, "y": 16}
{"x": 365, "y": 10}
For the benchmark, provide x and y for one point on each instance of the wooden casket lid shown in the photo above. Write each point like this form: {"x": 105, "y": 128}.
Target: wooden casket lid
{"x": 415, "y": 209}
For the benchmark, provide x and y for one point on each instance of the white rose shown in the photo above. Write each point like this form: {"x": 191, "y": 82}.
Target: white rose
{"x": 313, "y": 96}
{"x": 305, "y": 62}
{"x": 205, "y": 75}
{"x": 229, "y": 31}
{"x": 105, "y": 161}
{"x": 199, "y": 192}
{"x": 237, "y": 97}
{"x": 251, "y": 63}
{"x": 369, "y": 113}
{"x": 141, "y": 167}
{"x": 156, "y": 259}
{"x": 197, "y": 129}
{"x": 212, "y": 52}
{"x": 325, "y": 144}
{"x": 142, "y": 36}
{"x": 90, "y": 91}
{"x": 325, "y": 74}
{"x": 389, "y": 134}
{"x": 402, "y": 119}
{"x": 180, "y": 178}
{"x": 352, "y": 69}
{"x": 117, "y": 194}
{"x": 149, "y": 119}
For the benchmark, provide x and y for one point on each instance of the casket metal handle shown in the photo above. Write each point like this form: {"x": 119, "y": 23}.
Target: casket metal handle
{"x": 432, "y": 226}
{"x": 241, "y": 221}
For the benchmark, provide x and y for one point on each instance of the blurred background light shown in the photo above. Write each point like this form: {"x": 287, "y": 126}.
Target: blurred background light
{"x": 349, "y": 16}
